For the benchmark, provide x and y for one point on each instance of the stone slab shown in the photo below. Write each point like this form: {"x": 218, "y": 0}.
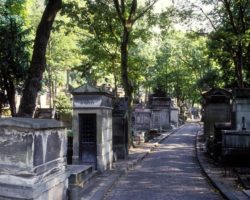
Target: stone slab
{"x": 78, "y": 174}
{"x": 30, "y": 123}
{"x": 35, "y": 190}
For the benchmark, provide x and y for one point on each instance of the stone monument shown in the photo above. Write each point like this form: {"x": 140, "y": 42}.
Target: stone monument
{"x": 120, "y": 128}
{"x": 174, "y": 116}
{"x": 32, "y": 159}
{"x": 92, "y": 127}
{"x": 216, "y": 108}
{"x": 241, "y": 109}
{"x": 160, "y": 117}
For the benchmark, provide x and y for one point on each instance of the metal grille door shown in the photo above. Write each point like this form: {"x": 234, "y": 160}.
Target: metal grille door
{"x": 87, "y": 137}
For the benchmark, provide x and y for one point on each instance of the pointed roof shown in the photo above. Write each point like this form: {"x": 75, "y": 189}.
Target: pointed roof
{"x": 90, "y": 89}
{"x": 217, "y": 92}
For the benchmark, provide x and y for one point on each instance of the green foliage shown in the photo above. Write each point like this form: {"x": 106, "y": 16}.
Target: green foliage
{"x": 99, "y": 40}
{"x": 11, "y": 7}
{"x": 62, "y": 104}
{"x": 182, "y": 63}
{"x": 209, "y": 80}
{"x": 229, "y": 41}
{"x": 14, "y": 55}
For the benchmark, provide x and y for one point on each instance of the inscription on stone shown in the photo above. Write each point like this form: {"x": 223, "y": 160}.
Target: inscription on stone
{"x": 87, "y": 101}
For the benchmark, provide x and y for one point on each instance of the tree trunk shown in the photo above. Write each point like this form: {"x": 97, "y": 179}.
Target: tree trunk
{"x": 11, "y": 91}
{"x": 2, "y": 98}
{"x": 115, "y": 77}
{"x": 240, "y": 66}
{"x": 125, "y": 79}
{"x": 38, "y": 63}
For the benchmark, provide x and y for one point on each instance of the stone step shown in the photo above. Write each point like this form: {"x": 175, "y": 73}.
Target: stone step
{"x": 79, "y": 175}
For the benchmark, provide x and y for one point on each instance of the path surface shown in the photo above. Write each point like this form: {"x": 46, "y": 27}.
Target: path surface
{"x": 171, "y": 172}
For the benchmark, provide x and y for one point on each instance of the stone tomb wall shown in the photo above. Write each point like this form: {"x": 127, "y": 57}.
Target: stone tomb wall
{"x": 89, "y": 101}
{"x": 160, "y": 119}
{"x": 214, "y": 113}
{"x": 174, "y": 116}
{"x": 242, "y": 109}
{"x": 104, "y": 137}
{"x": 101, "y": 106}
{"x": 119, "y": 136}
{"x": 32, "y": 159}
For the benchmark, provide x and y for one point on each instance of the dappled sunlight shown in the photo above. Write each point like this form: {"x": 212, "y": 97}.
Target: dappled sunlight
{"x": 169, "y": 172}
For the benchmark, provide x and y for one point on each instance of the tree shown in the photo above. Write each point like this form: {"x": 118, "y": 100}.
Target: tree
{"x": 14, "y": 55}
{"x": 38, "y": 62}
{"x": 229, "y": 38}
{"x": 99, "y": 41}
{"x": 182, "y": 63}
{"x": 128, "y": 13}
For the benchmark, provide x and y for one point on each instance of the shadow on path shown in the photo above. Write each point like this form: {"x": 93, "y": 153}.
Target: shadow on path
{"x": 169, "y": 172}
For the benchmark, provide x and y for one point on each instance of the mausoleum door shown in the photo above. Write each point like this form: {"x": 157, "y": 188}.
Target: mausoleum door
{"x": 87, "y": 137}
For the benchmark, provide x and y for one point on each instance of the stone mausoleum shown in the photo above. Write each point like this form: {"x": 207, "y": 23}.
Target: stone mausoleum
{"x": 92, "y": 127}
{"x": 216, "y": 108}
{"x": 160, "y": 107}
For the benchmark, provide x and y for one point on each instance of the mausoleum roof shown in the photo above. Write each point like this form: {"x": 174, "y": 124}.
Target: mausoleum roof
{"x": 90, "y": 89}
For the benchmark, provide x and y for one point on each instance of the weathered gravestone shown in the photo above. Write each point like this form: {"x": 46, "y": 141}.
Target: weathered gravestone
{"x": 160, "y": 107}
{"x": 92, "y": 127}
{"x": 216, "y": 108}
{"x": 32, "y": 159}
{"x": 120, "y": 128}
{"x": 141, "y": 123}
{"x": 174, "y": 116}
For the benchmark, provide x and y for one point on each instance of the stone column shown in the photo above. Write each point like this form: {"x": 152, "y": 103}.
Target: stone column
{"x": 32, "y": 159}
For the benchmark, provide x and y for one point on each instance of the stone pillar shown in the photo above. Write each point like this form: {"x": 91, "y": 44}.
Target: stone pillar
{"x": 32, "y": 159}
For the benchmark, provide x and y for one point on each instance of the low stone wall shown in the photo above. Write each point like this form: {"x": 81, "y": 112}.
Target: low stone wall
{"x": 32, "y": 159}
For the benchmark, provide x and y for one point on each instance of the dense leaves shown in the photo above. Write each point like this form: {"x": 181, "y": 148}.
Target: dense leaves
{"x": 126, "y": 44}
{"x": 14, "y": 55}
{"x": 229, "y": 40}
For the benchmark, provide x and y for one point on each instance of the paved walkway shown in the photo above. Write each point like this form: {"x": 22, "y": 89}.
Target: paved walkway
{"x": 170, "y": 172}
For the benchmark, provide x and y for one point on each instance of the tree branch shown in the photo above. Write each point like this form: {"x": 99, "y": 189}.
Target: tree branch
{"x": 132, "y": 10}
{"x": 145, "y": 10}
{"x": 205, "y": 14}
{"x": 241, "y": 16}
{"x": 119, "y": 11}
{"x": 230, "y": 15}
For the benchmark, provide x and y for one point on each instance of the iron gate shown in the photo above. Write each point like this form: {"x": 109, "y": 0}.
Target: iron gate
{"x": 87, "y": 137}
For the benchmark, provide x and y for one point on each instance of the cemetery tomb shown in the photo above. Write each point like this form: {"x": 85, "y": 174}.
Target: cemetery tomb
{"x": 92, "y": 127}
{"x": 216, "y": 108}
{"x": 32, "y": 159}
{"x": 120, "y": 128}
{"x": 160, "y": 118}
{"x": 241, "y": 109}
{"x": 141, "y": 123}
{"x": 174, "y": 116}
{"x": 236, "y": 146}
